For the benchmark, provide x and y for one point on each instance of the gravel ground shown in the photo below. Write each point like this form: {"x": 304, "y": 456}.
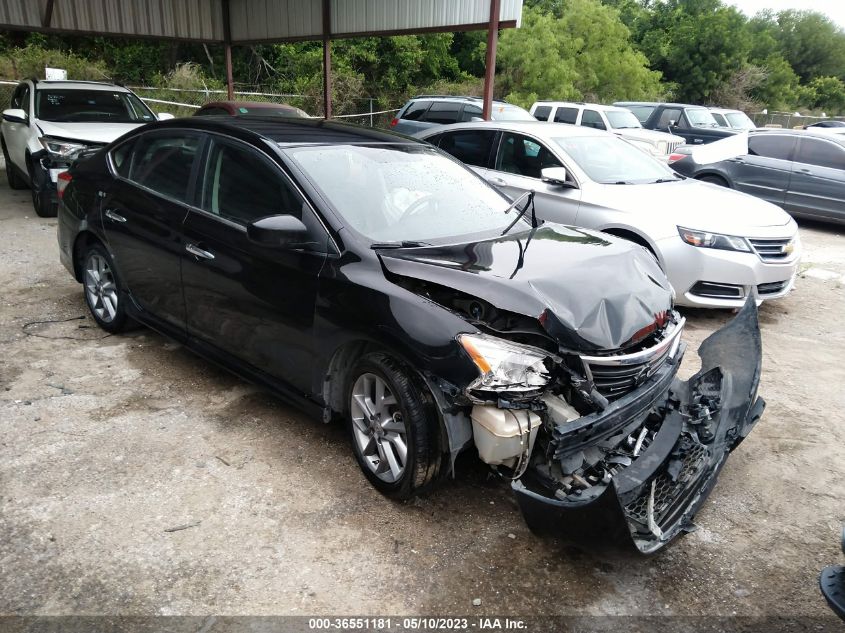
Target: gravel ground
{"x": 107, "y": 443}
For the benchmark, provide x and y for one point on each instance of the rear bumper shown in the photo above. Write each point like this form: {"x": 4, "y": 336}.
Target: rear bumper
{"x": 653, "y": 500}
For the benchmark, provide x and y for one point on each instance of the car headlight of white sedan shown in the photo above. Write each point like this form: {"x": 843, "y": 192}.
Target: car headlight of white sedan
{"x": 705, "y": 239}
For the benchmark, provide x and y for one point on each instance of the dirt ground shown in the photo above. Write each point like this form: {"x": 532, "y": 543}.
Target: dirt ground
{"x": 109, "y": 442}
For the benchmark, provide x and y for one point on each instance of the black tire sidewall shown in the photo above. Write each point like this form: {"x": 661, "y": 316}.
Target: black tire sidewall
{"x": 422, "y": 462}
{"x": 41, "y": 200}
{"x": 121, "y": 320}
{"x": 12, "y": 177}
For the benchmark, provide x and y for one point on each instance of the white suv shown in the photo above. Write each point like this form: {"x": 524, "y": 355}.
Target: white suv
{"x": 50, "y": 122}
{"x": 620, "y": 121}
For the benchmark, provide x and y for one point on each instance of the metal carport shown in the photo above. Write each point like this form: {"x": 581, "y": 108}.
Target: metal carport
{"x": 243, "y": 22}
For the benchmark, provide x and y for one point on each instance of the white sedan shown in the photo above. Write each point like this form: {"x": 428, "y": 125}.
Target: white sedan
{"x": 717, "y": 246}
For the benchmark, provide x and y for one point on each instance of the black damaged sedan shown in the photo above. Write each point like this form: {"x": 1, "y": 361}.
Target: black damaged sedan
{"x": 372, "y": 279}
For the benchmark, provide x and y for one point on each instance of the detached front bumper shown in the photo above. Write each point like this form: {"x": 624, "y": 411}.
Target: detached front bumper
{"x": 654, "y": 499}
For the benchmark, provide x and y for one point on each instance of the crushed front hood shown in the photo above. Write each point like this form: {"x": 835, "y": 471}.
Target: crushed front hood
{"x": 588, "y": 291}
{"x": 90, "y": 132}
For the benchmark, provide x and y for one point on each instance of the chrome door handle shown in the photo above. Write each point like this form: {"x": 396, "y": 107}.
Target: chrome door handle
{"x": 499, "y": 182}
{"x": 114, "y": 216}
{"x": 196, "y": 251}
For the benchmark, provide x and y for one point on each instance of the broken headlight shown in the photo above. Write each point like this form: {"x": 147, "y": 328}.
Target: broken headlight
{"x": 714, "y": 240}
{"x": 505, "y": 366}
{"x": 59, "y": 149}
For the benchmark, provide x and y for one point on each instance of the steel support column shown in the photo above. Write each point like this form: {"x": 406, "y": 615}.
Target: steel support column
{"x": 327, "y": 59}
{"x": 227, "y": 44}
{"x": 490, "y": 61}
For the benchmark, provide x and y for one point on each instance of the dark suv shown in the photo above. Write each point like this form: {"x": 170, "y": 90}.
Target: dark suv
{"x": 425, "y": 111}
{"x": 695, "y": 123}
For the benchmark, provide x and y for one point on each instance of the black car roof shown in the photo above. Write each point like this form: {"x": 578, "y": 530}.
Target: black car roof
{"x": 289, "y": 131}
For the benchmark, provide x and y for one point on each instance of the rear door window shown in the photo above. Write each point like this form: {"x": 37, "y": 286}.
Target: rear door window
{"x": 771, "y": 146}
{"x": 541, "y": 113}
{"x": 416, "y": 110}
{"x": 813, "y": 151}
{"x": 469, "y": 146}
{"x": 524, "y": 156}
{"x": 443, "y": 112}
{"x": 566, "y": 115}
{"x": 163, "y": 163}
{"x": 667, "y": 116}
{"x": 591, "y": 118}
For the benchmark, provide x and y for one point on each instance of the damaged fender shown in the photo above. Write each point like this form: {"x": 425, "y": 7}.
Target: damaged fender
{"x": 693, "y": 426}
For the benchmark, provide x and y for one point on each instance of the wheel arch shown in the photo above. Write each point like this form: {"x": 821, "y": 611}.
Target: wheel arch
{"x": 715, "y": 174}
{"x": 82, "y": 241}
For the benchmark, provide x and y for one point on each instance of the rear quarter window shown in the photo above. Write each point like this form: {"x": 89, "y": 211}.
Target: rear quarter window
{"x": 415, "y": 111}
{"x": 566, "y": 115}
{"x": 443, "y": 112}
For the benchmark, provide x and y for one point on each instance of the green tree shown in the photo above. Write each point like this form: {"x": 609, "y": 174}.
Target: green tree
{"x": 812, "y": 44}
{"x": 696, "y": 44}
{"x": 585, "y": 54}
{"x": 828, "y": 94}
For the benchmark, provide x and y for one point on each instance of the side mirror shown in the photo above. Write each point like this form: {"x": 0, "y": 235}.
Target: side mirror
{"x": 278, "y": 230}
{"x": 15, "y": 115}
{"x": 164, "y": 116}
{"x": 555, "y": 176}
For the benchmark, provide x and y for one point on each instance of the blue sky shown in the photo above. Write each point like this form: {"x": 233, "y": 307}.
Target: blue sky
{"x": 834, "y": 9}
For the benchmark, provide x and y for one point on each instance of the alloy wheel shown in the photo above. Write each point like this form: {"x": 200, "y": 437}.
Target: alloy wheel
{"x": 100, "y": 288}
{"x": 378, "y": 427}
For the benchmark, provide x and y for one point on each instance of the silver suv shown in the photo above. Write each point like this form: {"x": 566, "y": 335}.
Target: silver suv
{"x": 425, "y": 111}
{"x": 49, "y": 123}
{"x": 614, "y": 119}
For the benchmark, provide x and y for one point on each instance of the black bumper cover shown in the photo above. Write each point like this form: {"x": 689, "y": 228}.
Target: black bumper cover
{"x": 654, "y": 500}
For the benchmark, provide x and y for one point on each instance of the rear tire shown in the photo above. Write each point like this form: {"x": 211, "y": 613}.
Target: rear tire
{"x": 41, "y": 200}
{"x": 714, "y": 180}
{"x": 12, "y": 176}
{"x": 103, "y": 292}
{"x": 393, "y": 427}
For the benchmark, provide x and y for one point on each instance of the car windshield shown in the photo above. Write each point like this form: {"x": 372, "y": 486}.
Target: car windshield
{"x": 612, "y": 161}
{"x": 740, "y": 121}
{"x": 403, "y": 193}
{"x": 700, "y": 117}
{"x": 622, "y": 120}
{"x": 506, "y": 112}
{"x": 101, "y": 106}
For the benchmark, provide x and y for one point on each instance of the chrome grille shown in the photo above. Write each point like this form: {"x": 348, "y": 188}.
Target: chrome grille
{"x": 773, "y": 250}
{"x": 616, "y": 375}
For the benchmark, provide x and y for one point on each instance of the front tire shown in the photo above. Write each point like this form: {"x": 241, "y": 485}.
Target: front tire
{"x": 393, "y": 427}
{"x": 41, "y": 200}
{"x": 102, "y": 290}
{"x": 14, "y": 179}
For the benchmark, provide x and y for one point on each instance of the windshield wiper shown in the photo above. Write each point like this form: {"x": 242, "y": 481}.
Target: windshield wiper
{"x": 401, "y": 244}
{"x": 530, "y": 201}
{"x": 662, "y": 180}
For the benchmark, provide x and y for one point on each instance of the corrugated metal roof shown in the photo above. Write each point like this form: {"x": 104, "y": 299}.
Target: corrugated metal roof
{"x": 250, "y": 20}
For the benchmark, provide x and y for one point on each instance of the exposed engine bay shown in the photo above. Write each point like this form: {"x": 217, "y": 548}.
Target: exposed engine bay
{"x": 577, "y": 399}
{"x": 635, "y": 462}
